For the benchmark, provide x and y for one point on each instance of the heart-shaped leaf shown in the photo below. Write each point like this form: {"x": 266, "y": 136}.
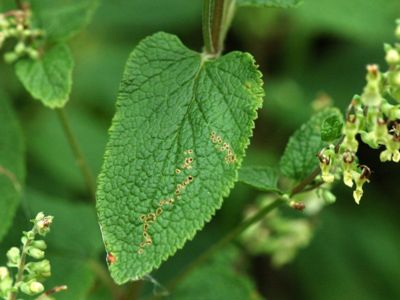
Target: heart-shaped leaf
{"x": 176, "y": 143}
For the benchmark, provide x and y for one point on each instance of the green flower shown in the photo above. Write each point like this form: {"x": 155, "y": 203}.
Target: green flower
{"x": 32, "y": 287}
{"x": 14, "y": 256}
{"x": 360, "y": 179}
{"x": 325, "y": 158}
{"x": 371, "y": 95}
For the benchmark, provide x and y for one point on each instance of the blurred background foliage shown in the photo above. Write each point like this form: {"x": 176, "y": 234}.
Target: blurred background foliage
{"x": 316, "y": 51}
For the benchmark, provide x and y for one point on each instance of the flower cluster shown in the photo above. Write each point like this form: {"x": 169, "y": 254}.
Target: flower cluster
{"x": 277, "y": 235}
{"x": 17, "y": 25}
{"x": 29, "y": 275}
{"x": 375, "y": 117}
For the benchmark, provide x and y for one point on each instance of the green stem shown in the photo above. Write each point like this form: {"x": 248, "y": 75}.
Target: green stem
{"x": 21, "y": 269}
{"x": 305, "y": 182}
{"x": 79, "y": 157}
{"x": 217, "y": 16}
{"x": 233, "y": 234}
{"x": 207, "y": 13}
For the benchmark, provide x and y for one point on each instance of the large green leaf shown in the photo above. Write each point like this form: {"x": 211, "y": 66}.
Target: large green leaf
{"x": 269, "y": 3}
{"x": 12, "y": 164}
{"x": 261, "y": 178}
{"x": 299, "y": 158}
{"x": 62, "y": 19}
{"x": 177, "y": 140}
{"x": 48, "y": 79}
{"x": 217, "y": 279}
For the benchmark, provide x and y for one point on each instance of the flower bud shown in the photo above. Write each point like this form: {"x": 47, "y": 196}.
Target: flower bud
{"x": 14, "y": 256}
{"x": 3, "y": 273}
{"x": 40, "y": 244}
{"x": 39, "y": 216}
{"x": 397, "y": 32}
{"x": 20, "y": 48}
{"x": 33, "y": 54}
{"x": 6, "y": 282}
{"x": 4, "y": 23}
{"x": 392, "y": 56}
{"x": 20, "y": 29}
{"x": 41, "y": 268}
{"x": 35, "y": 252}
{"x": 30, "y": 235}
{"x": 42, "y": 223}
{"x": 371, "y": 95}
{"x": 328, "y": 197}
{"x": 32, "y": 287}
{"x": 10, "y": 57}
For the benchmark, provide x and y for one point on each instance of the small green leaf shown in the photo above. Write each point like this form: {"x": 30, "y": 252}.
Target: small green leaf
{"x": 331, "y": 128}
{"x": 48, "y": 79}
{"x": 299, "y": 158}
{"x": 176, "y": 144}
{"x": 261, "y": 178}
{"x": 217, "y": 279}
{"x": 62, "y": 19}
{"x": 269, "y": 3}
{"x": 12, "y": 165}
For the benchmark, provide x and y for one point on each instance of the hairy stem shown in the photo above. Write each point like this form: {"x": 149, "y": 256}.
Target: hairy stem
{"x": 207, "y": 12}
{"x": 217, "y": 16}
{"x": 79, "y": 157}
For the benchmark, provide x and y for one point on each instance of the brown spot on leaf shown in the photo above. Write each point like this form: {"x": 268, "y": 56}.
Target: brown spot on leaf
{"x": 111, "y": 259}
